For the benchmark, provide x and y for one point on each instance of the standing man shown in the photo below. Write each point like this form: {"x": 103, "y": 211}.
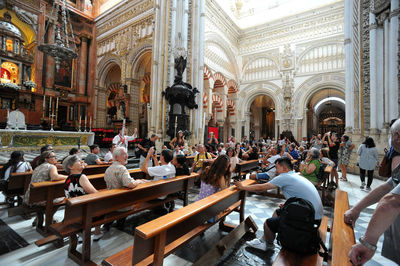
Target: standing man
{"x": 144, "y": 147}
{"x": 292, "y": 185}
{"x": 121, "y": 140}
{"x": 386, "y": 217}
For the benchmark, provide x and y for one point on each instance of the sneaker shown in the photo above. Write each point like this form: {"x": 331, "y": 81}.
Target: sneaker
{"x": 368, "y": 188}
{"x": 98, "y": 237}
{"x": 260, "y": 244}
{"x": 362, "y": 185}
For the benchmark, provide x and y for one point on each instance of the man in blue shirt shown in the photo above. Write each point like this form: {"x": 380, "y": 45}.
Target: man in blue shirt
{"x": 292, "y": 185}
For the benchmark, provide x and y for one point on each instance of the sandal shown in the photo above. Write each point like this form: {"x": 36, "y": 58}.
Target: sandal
{"x": 344, "y": 179}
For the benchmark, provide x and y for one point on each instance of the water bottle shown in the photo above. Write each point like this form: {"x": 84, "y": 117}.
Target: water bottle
{"x": 165, "y": 177}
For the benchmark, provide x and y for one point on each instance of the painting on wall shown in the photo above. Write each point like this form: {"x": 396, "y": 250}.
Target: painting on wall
{"x": 63, "y": 77}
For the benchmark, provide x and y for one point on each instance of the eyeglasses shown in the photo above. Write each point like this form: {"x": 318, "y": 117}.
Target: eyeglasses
{"x": 53, "y": 157}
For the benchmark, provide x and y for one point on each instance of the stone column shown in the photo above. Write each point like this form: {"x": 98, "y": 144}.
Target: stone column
{"x": 158, "y": 72}
{"x": 82, "y": 66}
{"x": 348, "y": 48}
{"x": 386, "y": 74}
{"x": 50, "y": 63}
{"x": 172, "y": 27}
{"x": 393, "y": 60}
{"x": 373, "y": 72}
{"x": 197, "y": 58}
{"x": 247, "y": 124}
{"x": 92, "y": 69}
{"x": 38, "y": 54}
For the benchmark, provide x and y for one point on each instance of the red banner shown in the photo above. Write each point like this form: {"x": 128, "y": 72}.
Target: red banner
{"x": 213, "y": 129}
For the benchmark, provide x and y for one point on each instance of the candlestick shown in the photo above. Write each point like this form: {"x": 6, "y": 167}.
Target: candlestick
{"x": 80, "y": 118}
{"x": 8, "y": 119}
{"x": 90, "y": 124}
{"x": 57, "y": 104}
{"x": 52, "y": 119}
{"x": 85, "y": 122}
{"x": 57, "y": 109}
{"x": 44, "y": 101}
{"x": 50, "y": 109}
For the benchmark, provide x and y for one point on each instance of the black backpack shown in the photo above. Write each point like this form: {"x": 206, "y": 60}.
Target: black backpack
{"x": 321, "y": 172}
{"x": 298, "y": 231}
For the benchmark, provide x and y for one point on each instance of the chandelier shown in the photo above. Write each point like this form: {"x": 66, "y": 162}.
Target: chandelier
{"x": 60, "y": 49}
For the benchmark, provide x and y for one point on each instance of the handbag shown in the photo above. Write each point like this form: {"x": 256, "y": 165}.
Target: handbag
{"x": 385, "y": 167}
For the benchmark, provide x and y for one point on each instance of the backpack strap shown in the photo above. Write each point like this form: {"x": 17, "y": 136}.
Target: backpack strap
{"x": 324, "y": 254}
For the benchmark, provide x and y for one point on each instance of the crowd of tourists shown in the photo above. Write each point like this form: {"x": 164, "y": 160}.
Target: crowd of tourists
{"x": 215, "y": 161}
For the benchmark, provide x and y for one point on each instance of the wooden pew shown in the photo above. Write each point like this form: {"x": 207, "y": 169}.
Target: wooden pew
{"x": 342, "y": 235}
{"x": 90, "y": 169}
{"x": 50, "y": 190}
{"x": 158, "y": 238}
{"x": 104, "y": 205}
{"x": 17, "y": 185}
{"x": 289, "y": 258}
{"x": 245, "y": 167}
{"x": 324, "y": 187}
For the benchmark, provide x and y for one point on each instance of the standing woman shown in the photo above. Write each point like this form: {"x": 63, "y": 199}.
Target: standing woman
{"x": 216, "y": 177}
{"x": 177, "y": 141}
{"x": 368, "y": 161}
{"x": 345, "y": 151}
{"x": 77, "y": 184}
{"x": 46, "y": 171}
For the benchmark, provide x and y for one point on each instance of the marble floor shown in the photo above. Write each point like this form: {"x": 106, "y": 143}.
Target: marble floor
{"x": 259, "y": 207}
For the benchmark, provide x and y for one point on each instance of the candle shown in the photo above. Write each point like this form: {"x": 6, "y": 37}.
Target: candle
{"x": 80, "y": 121}
{"x": 57, "y": 104}
{"x": 44, "y": 101}
{"x": 50, "y": 109}
{"x": 176, "y": 120}
{"x": 90, "y": 123}
{"x": 85, "y": 119}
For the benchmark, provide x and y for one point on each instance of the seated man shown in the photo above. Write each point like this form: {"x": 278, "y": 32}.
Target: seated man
{"x": 268, "y": 167}
{"x": 109, "y": 155}
{"x": 92, "y": 158}
{"x": 165, "y": 170}
{"x": 292, "y": 185}
{"x": 117, "y": 176}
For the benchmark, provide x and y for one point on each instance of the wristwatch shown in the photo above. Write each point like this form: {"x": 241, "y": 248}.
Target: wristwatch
{"x": 367, "y": 245}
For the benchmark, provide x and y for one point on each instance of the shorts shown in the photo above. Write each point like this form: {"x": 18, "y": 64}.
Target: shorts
{"x": 273, "y": 223}
{"x": 263, "y": 176}
{"x": 336, "y": 163}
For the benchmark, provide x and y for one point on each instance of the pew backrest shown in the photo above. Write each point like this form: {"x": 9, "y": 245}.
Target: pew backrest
{"x": 184, "y": 221}
{"x": 342, "y": 234}
{"x": 246, "y": 166}
{"x": 19, "y": 181}
{"x": 107, "y": 201}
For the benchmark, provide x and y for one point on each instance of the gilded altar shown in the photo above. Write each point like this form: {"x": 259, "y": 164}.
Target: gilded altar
{"x": 34, "y": 139}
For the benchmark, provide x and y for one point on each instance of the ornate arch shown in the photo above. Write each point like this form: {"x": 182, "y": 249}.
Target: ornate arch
{"x": 257, "y": 58}
{"x": 251, "y": 92}
{"x": 307, "y": 50}
{"x": 136, "y": 55}
{"x": 308, "y": 88}
{"x": 208, "y": 77}
{"x": 105, "y": 65}
{"x": 212, "y": 37}
{"x": 232, "y": 87}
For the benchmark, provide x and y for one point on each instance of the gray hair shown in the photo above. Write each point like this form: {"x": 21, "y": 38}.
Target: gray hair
{"x": 315, "y": 153}
{"x": 395, "y": 127}
{"x": 69, "y": 161}
{"x": 117, "y": 152}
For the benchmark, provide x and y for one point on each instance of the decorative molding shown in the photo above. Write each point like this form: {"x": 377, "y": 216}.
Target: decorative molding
{"x": 377, "y": 6}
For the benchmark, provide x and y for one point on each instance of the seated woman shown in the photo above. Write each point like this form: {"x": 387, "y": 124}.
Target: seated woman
{"x": 77, "y": 184}
{"x": 46, "y": 171}
{"x": 215, "y": 177}
{"x": 181, "y": 168}
{"x": 16, "y": 164}
{"x": 310, "y": 167}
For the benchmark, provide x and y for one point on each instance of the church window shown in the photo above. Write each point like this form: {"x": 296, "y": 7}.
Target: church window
{"x": 10, "y": 45}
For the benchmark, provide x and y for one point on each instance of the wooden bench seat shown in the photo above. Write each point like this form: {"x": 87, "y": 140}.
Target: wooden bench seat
{"x": 245, "y": 167}
{"x": 342, "y": 235}
{"x": 87, "y": 211}
{"x": 289, "y": 258}
{"x": 160, "y": 237}
{"x": 50, "y": 190}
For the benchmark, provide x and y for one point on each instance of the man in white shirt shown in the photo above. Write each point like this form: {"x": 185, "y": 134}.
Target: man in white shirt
{"x": 165, "y": 170}
{"x": 109, "y": 155}
{"x": 269, "y": 164}
{"x": 177, "y": 151}
{"x": 122, "y": 140}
